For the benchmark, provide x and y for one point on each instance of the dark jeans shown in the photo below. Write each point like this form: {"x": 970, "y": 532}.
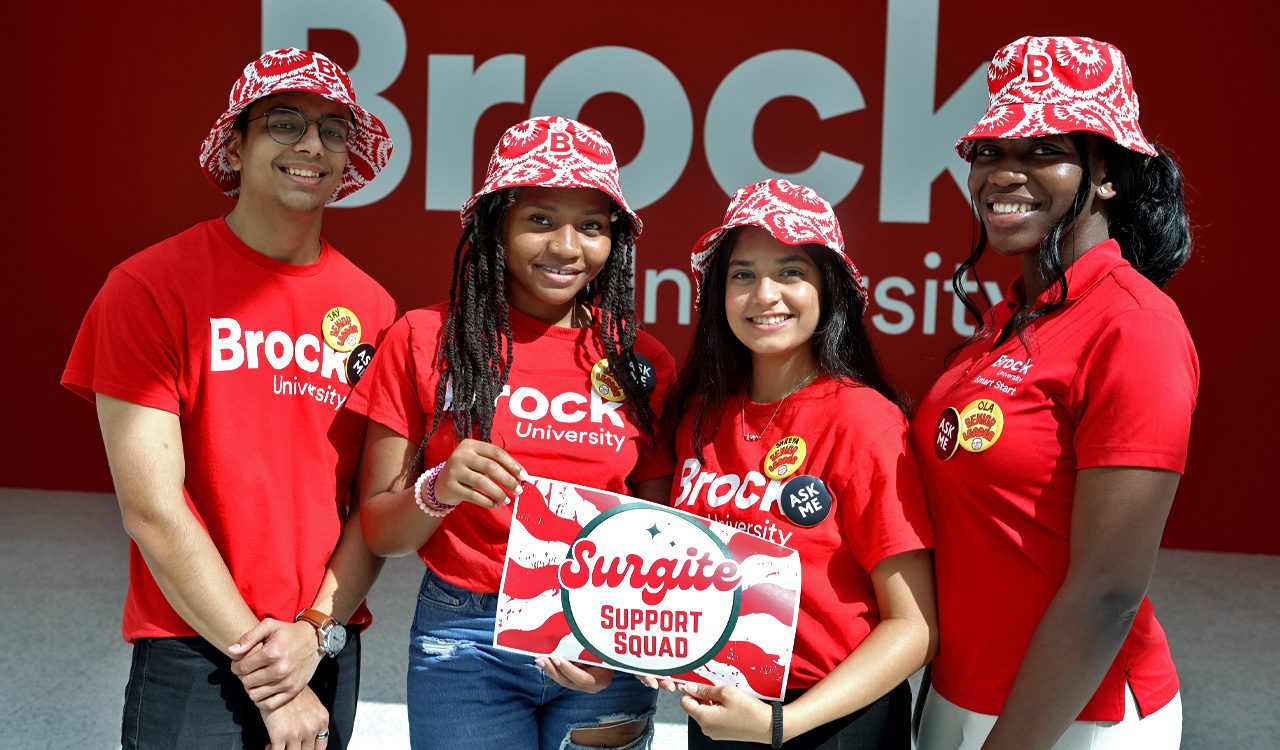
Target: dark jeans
{"x": 182, "y": 694}
{"x": 884, "y": 725}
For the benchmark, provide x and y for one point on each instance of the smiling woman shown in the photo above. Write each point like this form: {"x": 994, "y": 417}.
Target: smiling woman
{"x": 1053, "y": 443}
{"x": 535, "y": 365}
{"x": 782, "y": 390}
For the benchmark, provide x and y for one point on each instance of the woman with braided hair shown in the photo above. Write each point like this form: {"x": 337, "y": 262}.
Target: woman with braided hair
{"x": 535, "y": 366}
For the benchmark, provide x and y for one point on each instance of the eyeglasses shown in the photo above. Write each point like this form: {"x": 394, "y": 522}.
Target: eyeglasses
{"x": 288, "y": 126}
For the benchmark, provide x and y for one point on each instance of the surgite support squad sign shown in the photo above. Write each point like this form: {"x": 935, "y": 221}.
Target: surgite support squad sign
{"x": 603, "y": 578}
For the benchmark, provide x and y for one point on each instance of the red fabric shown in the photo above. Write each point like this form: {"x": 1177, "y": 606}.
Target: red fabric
{"x": 267, "y": 473}
{"x": 1111, "y": 381}
{"x": 1043, "y": 85}
{"x": 593, "y": 442}
{"x": 856, "y": 443}
{"x": 792, "y": 214}
{"x": 553, "y": 152}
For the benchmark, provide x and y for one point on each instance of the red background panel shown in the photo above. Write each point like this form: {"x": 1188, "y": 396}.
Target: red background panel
{"x": 106, "y": 113}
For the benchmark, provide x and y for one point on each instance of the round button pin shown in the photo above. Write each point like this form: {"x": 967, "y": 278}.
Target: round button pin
{"x": 805, "y": 500}
{"x": 981, "y": 423}
{"x": 341, "y": 329}
{"x": 645, "y": 374}
{"x": 785, "y": 457}
{"x": 947, "y": 439}
{"x": 358, "y": 361}
{"x": 605, "y": 384}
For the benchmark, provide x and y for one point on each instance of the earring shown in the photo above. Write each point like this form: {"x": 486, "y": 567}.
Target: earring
{"x": 1104, "y": 191}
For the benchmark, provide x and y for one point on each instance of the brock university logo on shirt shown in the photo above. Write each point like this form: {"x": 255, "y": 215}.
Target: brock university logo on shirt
{"x": 582, "y": 418}
{"x": 296, "y": 360}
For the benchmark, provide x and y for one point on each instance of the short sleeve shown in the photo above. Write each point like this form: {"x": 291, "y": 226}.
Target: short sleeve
{"x": 882, "y": 503}
{"x": 1135, "y": 392}
{"x": 655, "y": 459}
{"x": 388, "y": 392}
{"x": 125, "y": 348}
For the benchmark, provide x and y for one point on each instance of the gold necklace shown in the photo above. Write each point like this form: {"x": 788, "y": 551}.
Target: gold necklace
{"x": 751, "y": 438}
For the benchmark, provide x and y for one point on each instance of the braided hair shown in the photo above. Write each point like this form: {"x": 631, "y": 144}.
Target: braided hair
{"x": 1147, "y": 217}
{"x": 476, "y": 350}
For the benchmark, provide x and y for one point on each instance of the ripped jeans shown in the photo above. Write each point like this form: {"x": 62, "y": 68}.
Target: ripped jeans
{"x": 464, "y": 693}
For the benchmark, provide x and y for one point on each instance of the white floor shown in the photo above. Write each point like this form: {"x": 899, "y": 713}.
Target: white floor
{"x": 64, "y": 562}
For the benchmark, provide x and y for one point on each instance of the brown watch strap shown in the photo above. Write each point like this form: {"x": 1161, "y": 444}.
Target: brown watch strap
{"x": 316, "y": 619}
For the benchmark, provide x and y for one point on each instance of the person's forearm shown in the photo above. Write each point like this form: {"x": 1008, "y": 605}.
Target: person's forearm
{"x": 1073, "y": 646}
{"x": 893, "y": 651}
{"x": 393, "y": 524}
{"x": 189, "y": 571}
{"x": 351, "y": 573}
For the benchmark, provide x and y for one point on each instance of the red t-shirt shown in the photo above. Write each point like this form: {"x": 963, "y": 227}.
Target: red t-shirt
{"x": 549, "y": 418}
{"x": 230, "y": 340}
{"x": 855, "y": 441}
{"x": 1110, "y": 380}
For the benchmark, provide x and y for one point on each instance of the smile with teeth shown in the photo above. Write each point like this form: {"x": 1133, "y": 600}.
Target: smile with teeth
{"x": 768, "y": 320}
{"x": 1011, "y": 208}
{"x": 300, "y": 172}
{"x": 555, "y": 271}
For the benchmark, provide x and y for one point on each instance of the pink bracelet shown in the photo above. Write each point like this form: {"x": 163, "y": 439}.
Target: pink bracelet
{"x": 430, "y": 504}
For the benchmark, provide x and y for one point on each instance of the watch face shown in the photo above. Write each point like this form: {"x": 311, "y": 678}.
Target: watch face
{"x": 335, "y": 639}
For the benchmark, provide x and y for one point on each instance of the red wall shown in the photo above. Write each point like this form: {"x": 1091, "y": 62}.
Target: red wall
{"x": 108, "y": 112}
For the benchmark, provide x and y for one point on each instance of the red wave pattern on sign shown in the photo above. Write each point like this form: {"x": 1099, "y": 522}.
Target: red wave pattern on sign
{"x": 526, "y": 583}
{"x": 541, "y": 640}
{"x": 768, "y": 599}
{"x": 760, "y": 668}
{"x": 742, "y": 546}
{"x": 544, "y": 525}
{"x": 602, "y": 501}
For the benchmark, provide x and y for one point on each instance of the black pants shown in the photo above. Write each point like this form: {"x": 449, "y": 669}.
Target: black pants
{"x": 183, "y": 694}
{"x": 883, "y": 725}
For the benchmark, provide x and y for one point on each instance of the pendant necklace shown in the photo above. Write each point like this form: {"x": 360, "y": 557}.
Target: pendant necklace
{"x": 753, "y": 437}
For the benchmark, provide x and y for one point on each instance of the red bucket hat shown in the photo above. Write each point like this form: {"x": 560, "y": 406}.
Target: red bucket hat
{"x": 793, "y": 214}
{"x": 1045, "y": 85}
{"x": 292, "y": 69}
{"x": 553, "y": 152}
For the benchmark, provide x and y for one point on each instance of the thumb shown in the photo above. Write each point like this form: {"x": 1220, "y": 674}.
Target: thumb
{"x": 257, "y": 634}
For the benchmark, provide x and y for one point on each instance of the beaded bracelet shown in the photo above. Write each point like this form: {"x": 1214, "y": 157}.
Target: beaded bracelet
{"x": 431, "y": 505}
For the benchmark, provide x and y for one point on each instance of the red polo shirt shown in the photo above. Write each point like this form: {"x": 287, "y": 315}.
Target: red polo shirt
{"x": 1110, "y": 380}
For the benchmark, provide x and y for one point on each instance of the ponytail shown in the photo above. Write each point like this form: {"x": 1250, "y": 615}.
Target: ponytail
{"x": 1147, "y": 216}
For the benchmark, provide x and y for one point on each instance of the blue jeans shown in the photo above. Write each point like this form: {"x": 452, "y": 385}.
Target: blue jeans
{"x": 465, "y": 693}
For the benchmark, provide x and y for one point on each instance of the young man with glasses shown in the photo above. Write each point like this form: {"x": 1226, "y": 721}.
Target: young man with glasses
{"x": 218, "y": 360}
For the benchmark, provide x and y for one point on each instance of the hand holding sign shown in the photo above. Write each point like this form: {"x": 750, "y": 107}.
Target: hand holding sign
{"x": 602, "y": 578}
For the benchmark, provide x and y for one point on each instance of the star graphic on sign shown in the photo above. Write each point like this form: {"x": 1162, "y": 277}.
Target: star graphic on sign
{"x": 653, "y": 530}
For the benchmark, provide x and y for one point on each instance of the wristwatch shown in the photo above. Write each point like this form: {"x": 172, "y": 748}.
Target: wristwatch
{"x": 329, "y": 632}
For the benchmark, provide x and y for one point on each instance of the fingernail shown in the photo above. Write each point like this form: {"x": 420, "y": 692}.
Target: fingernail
{"x": 524, "y": 475}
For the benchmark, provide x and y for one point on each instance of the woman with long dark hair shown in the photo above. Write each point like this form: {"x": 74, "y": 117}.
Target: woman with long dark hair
{"x": 784, "y": 423}
{"x": 535, "y": 365}
{"x": 1053, "y": 443}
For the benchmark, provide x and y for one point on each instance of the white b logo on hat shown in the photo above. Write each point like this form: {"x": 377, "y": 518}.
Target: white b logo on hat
{"x": 559, "y": 142}
{"x": 1037, "y": 69}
